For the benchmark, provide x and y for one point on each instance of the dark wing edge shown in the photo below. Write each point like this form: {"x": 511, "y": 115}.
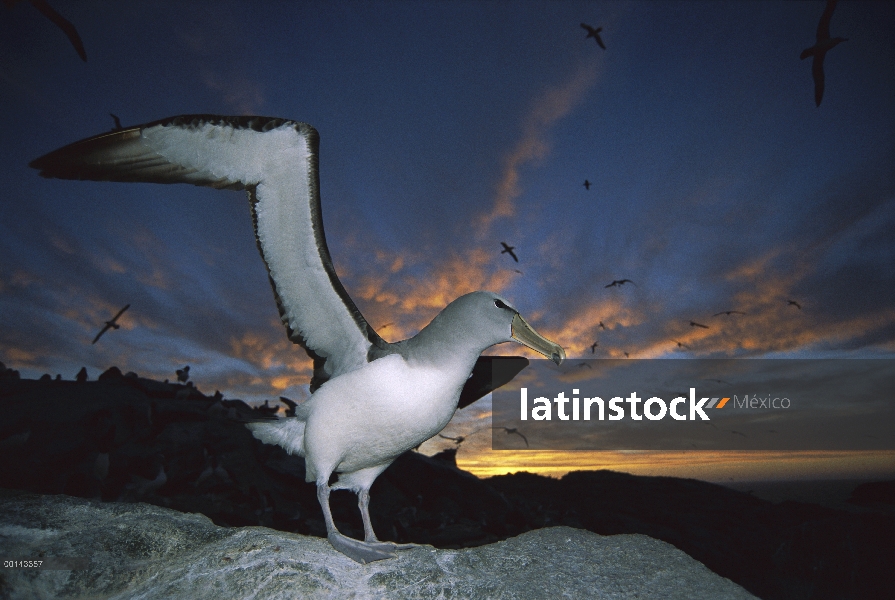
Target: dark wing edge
{"x": 488, "y": 374}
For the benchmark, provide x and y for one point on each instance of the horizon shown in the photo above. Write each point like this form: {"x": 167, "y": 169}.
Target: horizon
{"x": 446, "y": 128}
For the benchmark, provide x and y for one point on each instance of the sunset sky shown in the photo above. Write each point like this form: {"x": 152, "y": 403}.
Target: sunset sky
{"x": 446, "y": 128}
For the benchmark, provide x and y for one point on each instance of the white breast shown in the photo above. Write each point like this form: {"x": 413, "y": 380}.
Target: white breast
{"x": 370, "y": 416}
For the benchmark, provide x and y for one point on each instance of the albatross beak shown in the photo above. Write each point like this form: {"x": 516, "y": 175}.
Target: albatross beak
{"x": 525, "y": 335}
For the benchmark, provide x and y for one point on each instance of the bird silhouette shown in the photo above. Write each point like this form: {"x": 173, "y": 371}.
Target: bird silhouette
{"x": 118, "y": 126}
{"x": 586, "y": 184}
{"x": 593, "y": 348}
{"x": 627, "y": 355}
{"x": 681, "y": 344}
{"x": 110, "y": 324}
{"x": 618, "y": 282}
{"x": 290, "y": 410}
{"x": 59, "y": 21}
{"x": 820, "y": 48}
{"x": 729, "y": 312}
{"x": 794, "y": 303}
{"x": 509, "y": 250}
{"x": 511, "y": 430}
{"x": 183, "y": 374}
{"x": 695, "y": 324}
{"x": 719, "y": 381}
{"x": 457, "y": 440}
{"x": 594, "y": 33}
{"x": 601, "y": 326}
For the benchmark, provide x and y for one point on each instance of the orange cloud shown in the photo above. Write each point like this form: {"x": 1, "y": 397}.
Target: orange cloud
{"x": 534, "y": 144}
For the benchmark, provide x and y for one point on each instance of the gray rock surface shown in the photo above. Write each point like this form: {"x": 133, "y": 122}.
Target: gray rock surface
{"x": 144, "y": 551}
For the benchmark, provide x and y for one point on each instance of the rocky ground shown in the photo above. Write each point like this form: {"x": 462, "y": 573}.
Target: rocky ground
{"x": 128, "y": 439}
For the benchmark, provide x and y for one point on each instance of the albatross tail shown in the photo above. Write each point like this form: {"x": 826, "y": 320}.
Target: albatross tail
{"x": 287, "y": 433}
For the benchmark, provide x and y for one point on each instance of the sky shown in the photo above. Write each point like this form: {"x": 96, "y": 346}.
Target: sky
{"x": 447, "y": 128}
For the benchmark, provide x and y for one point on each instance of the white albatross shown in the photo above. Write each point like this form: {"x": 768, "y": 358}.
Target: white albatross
{"x": 372, "y": 400}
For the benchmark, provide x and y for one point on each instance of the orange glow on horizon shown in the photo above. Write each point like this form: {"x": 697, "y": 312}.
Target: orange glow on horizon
{"x": 704, "y": 465}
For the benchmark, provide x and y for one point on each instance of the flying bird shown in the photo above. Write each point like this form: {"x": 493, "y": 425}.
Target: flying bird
{"x": 459, "y": 439}
{"x": 793, "y": 303}
{"x": 509, "y": 250}
{"x": 290, "y": 406}
{"x": 593, "y": 348}
{"x": 111, "y": 324}
{"x": 586, "y": 184}
{"x": 512, "y": 430}
{"x": 695, "y": 324}
{"x": 681, "y": 344}
{"x": 729, "y": 312}
{"x": 819, "y": 50}
{"x": 594, "y": 33}
{"x": 59, "y": 21}
{"x": 371, "y": 400}
{"x": 618, "y": 282}
{"x": 601, "y": 326}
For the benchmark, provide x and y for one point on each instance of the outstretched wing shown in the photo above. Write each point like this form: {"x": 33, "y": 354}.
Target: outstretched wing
{"x": 276, "y": 161}
{"x": 823, "y": 26}
{"x": 120, "y": 312}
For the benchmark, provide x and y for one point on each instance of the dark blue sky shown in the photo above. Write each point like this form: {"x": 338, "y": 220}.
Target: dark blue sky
{"x": 446, "y": 128}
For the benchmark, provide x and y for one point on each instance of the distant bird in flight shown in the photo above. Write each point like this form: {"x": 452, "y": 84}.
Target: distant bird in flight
{"x": 110, "y": 324}
{"x": 594, "y": 33}
{"x": 603, "y": 327}
{"x": 457, "y": 440}
{"x": 593, "y": 348}
{"x": 509, "y": 250}
{"x": 59, "y": 21}
{"x": 793, "y": 303}
{"x": 511, "y": 430}
{"x": 729, "y": 312}
{"x": 290, "y": 406}
{"x": 184, "y": 374}
{"x": 695, "y": 324}
{"x": 518, "y": 271}
{"x": 618, "y": 282}
{"x": 118, "y": 126}
{"x": 819, "y": 50}
{"x": 586, "y": 184}
{"x": 681, "y": 344}
{"x": 627, "y": 355}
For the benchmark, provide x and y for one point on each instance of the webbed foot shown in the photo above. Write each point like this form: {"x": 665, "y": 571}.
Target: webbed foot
{"x": 362, "y": 552}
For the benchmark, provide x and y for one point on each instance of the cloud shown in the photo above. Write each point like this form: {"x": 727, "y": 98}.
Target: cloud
{"x": 534, "y": 145}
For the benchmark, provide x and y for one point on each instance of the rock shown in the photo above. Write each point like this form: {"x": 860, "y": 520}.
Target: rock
{"x": 140, "y": 550}
{"x": 882, "y": 492}
{"x": 111, "y": 374}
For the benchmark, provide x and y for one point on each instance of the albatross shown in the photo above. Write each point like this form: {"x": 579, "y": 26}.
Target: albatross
{"x": 371, "y": 400}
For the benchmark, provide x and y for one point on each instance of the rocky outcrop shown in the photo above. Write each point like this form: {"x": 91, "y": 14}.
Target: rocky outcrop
{"x": 129, "y": 439}
{"x": 139, "y": 550}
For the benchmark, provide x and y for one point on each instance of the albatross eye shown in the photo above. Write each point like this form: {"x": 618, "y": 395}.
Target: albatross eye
{"x": 500, "y": 304}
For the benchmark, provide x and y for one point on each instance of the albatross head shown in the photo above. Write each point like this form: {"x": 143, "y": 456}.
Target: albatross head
{"x": 485, "y": 318}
